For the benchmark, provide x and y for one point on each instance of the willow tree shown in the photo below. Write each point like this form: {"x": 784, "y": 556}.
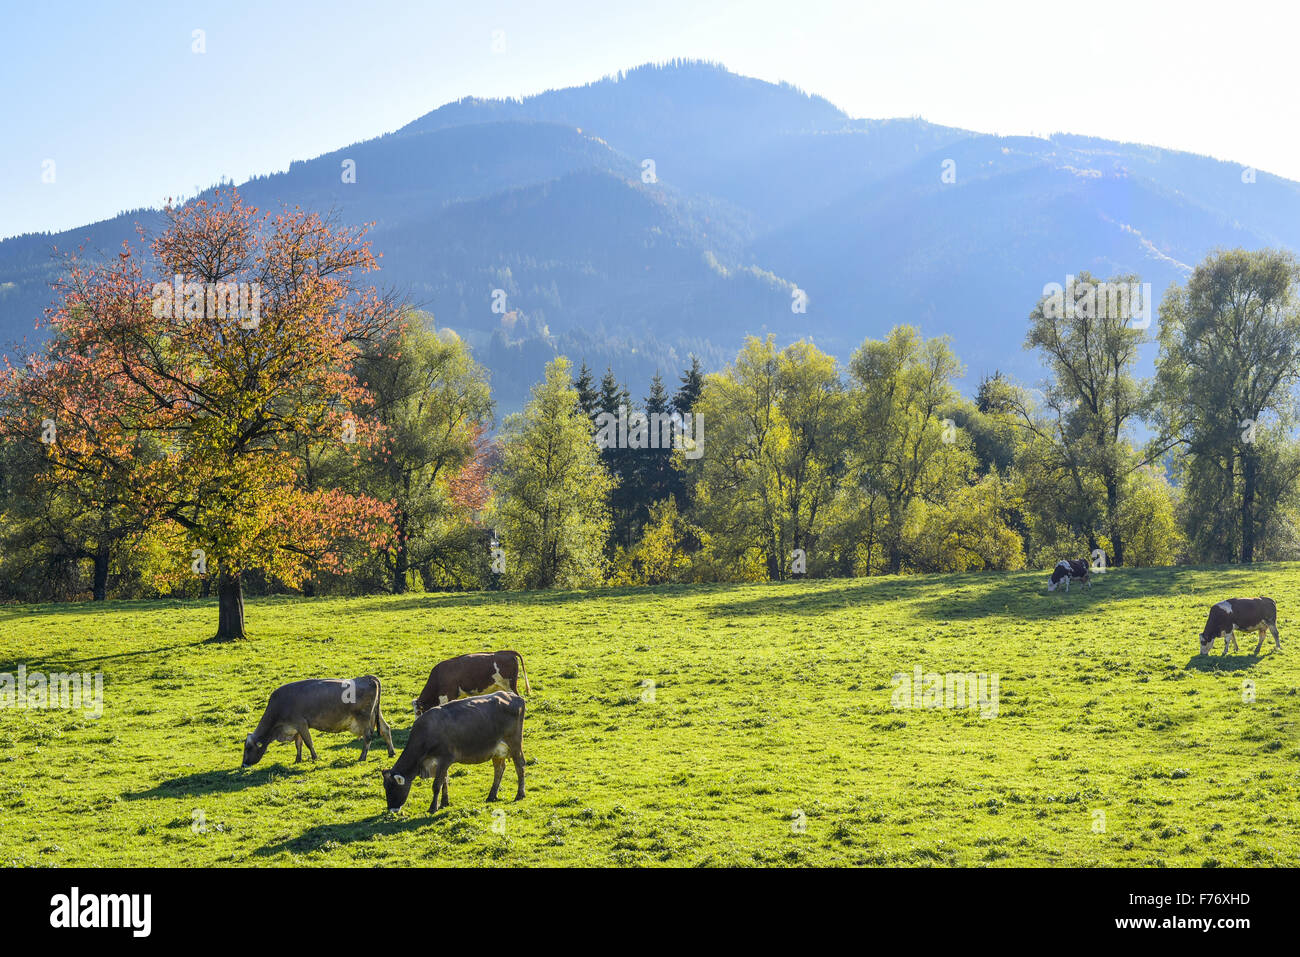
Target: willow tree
{"x": 432, "y": 399}
{"x": 1088, "y": 335}
{"x": 773, "y": 453}
{"x": 902, "y": 449}
{"x": 1229, "y": 358}
{"x": 552, "y": 490}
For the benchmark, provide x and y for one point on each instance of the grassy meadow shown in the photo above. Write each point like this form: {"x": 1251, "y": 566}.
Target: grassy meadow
{"x": 768, "y": 736}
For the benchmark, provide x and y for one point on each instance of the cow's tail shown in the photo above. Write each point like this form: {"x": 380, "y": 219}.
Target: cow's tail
{"x": 379, "y": 694}
{"x": 523, "y": 673}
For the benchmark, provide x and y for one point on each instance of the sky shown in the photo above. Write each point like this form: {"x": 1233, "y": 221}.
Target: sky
{"x": 108, "y": 107}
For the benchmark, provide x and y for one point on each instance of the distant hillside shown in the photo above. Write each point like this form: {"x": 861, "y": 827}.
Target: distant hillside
{"x": 758, "y": 189}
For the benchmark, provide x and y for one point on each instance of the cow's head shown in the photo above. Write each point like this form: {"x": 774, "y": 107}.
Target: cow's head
{"x": 1051, "y": 584}
{"x": 1207, "y": 643}
{"x": 396, "y": 789}
{"x": 253, "y": 750}
{"x": 417, "y": 707}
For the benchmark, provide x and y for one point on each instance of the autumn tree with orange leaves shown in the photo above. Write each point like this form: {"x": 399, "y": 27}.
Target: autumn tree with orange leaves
{"x": 184, "y": 383}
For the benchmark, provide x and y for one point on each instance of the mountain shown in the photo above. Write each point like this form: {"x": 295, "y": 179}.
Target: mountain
{"x": 676, "y": 208}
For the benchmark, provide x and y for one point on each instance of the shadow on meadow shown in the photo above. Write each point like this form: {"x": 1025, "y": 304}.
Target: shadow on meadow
{"x": 1015, "y": 596}
{"x": 1209, "y": 664}
{"x": 996, "y": 595}
{"x": 345, "y": 742}
{"x": 324, "y": 836}
{"x": 216, "y": 782}
{"x": 56, "y": 663}
{"x": 432, "y": 601}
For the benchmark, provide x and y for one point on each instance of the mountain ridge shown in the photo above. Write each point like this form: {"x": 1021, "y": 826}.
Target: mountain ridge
{"x": 674, "y": 208}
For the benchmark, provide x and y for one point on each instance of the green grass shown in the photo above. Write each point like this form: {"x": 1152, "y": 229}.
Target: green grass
{"x": 769, "y": 700}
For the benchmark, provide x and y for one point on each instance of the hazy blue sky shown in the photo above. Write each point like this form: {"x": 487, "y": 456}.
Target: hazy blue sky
{"x": 130, "y": 115}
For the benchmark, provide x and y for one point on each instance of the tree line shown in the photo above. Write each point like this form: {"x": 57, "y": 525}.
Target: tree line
{"x": 341, "y": 443}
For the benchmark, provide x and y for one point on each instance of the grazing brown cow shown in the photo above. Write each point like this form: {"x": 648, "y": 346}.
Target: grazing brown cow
{"x": 326, "y": 704}
{"x": 487, "y": 727}
{"x": 471, "y": 674}
{"x": 1248, "y": 614}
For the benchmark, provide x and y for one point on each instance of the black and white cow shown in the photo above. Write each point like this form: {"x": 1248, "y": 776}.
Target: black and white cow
{"x": 1248, "y": 614}
{"x": 1068, "y": 571}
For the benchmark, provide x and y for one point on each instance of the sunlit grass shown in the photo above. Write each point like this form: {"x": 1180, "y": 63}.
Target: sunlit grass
{"x": 771, "y": 706}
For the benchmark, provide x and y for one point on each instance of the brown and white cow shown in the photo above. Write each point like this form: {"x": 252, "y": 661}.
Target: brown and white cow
{"x": 1247, "y": 614}
{"x": 476, "y": 673}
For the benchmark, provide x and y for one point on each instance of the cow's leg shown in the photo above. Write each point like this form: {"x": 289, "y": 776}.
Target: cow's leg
{"x": 498, "y": 769}
{"x": 384, "y": 731}
{"x": 1276, "y": 640}
{"x": 518, "y": 755}
{"x": 1230, "y": 639}
{"x": 305, "y": 733}
{"x": 365, "y": 743}
{"x": 440, "y": 785}
{"x": 297, "y": 740}
{"x": 1262, "y": 632}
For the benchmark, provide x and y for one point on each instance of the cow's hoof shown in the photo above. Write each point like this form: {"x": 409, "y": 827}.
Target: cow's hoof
{"x": 519, "y": 797}
{"x": 491, "y": 798}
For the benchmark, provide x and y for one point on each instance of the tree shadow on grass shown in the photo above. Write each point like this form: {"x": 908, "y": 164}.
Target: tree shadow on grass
{"x": 819, "y": 596}
{"x": 980, "y": 595}
{"x": 60, "y": 664}
{"x": 216, "y": 782}
{"x": 434, "y": 601}
{"x": 317, "y": 838}
{"x": 1024, "y": 596}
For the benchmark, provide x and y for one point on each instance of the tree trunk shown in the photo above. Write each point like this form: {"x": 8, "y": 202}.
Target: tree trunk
{"x": 230, "y": 607}
{"x": 1112, "y": 516}
{"x": 773, "y": 564}
{"x": 101, "y": 574}
{"x": 401, "y": 560}
{"x": 1247, "y": 508}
